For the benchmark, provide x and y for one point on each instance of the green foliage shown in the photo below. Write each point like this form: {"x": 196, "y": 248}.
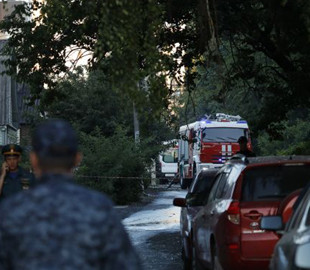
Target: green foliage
{"x": 127, "y": 40}
{"x": 103, "y": 117}
{"x": 260, "y": 69}
{"x": 88, "y": 101}
{"x": 269, "y": 41}
{"x": 114, "y": 165}
{"x": 118, "y": 36}
{"x": 261, "y": 72}
{"x": 295, "y": 138}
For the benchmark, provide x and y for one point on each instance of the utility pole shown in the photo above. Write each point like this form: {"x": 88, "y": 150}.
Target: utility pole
{"x": 142, "y": 86}
{"x": 136, "y": 124}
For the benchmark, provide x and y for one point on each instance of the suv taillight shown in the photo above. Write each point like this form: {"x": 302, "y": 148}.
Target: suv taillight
{"x": 233, "y": 212}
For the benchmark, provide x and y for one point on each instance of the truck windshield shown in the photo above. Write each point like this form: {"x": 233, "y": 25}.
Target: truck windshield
{"x": 223, "y": 134}
{"x": 170, "y": 156}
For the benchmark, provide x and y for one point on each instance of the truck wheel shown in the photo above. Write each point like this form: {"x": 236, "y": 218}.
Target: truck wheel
{"x": 183, "y": 183}
{"x": 194, "y": 172}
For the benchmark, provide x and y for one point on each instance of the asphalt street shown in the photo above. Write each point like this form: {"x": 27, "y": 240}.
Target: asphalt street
{"x": 154, "y": 231}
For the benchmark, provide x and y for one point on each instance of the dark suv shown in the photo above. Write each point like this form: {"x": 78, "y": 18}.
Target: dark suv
{"x": 226, "y": 232}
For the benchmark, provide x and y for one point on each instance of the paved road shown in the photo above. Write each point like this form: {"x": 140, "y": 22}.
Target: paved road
{"x": 154, "y": 230}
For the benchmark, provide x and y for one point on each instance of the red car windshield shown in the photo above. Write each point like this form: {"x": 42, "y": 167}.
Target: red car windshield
{"x": 273, "y": 182}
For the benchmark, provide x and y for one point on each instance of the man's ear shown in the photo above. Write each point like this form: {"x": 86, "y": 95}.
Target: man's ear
{"x": 78, "y": 159}
{"x": 34, "y": 160}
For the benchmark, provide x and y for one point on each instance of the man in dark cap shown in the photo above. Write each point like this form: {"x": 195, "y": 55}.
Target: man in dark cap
{"x": 58, "y": 224}
{"x": 244, "y": 150}
{"x": 13, "y": 178}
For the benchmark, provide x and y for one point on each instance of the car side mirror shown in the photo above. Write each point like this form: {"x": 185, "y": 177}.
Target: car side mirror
{"x": 302, "y": 258}
{"x": 271, "y": 223}
{"x": 181, "y": 202}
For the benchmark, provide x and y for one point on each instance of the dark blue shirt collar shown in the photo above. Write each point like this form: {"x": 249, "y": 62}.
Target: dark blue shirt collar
{"x": 47, "y": 177}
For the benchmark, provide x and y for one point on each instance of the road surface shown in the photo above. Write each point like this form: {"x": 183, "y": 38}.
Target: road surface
{"x": 154, "y": 231}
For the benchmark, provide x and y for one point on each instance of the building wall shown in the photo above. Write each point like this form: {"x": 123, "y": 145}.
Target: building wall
{"x": 8, "y": 134}
{"x": 6, "y": 109}
{"x": 11, "y": 93}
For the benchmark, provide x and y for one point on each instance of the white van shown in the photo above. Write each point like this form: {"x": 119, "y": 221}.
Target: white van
{"x": 167, "y": 166}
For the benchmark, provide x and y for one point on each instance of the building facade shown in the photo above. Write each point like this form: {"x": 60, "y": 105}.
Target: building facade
{"x": 11, "y": 93}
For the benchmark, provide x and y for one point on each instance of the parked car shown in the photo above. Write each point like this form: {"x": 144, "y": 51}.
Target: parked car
{"x": 293, "y": 249}
{"x": 196, "y": 197}
{"x": 226, "y": 232}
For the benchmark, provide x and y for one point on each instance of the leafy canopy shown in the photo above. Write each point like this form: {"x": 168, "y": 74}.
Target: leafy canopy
{"x": 118, "y": 37}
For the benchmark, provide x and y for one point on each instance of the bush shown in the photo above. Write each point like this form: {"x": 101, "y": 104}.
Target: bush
{"x": 295, "y": 139}
{"x": 114, "y": 165}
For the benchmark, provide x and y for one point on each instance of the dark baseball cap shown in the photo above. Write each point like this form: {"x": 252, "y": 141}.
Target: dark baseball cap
{"x": 55, "y": 138}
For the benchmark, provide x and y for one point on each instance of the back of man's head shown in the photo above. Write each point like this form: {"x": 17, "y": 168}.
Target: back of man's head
{"x": 55, "y": 144}
{"x": 242, "y": 140}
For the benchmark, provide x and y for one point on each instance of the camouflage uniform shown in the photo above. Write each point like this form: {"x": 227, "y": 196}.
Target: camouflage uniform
{"x": 61, "y": 226}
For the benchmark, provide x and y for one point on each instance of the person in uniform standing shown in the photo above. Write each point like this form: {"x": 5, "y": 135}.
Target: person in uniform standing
{"x": 13, "y": 178}
{"x": 59, "y": 224}
{"x": 244, "y": 150}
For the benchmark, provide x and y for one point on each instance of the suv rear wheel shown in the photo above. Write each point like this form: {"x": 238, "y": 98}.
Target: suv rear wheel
{"x": 215, "y": 259}
{"x": 185, "y": 182}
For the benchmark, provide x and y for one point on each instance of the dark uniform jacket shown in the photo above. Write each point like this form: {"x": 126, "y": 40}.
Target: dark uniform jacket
{"x": 61, "y": 226}
{"x": 23, "y": 180}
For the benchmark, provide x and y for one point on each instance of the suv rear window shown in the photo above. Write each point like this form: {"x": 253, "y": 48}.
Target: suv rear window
{"x": 273, "y": 182}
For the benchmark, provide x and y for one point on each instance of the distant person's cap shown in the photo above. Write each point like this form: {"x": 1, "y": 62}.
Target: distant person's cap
{"x": 242, "y": 139}
{"x": 12, "y": 150}
{"x": 55, "y": 138}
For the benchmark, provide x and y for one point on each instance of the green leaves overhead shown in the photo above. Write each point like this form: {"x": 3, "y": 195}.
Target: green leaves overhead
{"x": 269, "y": 41}
{"x": 261, "y": 69}
{"x": 247, "y": 57}
{"x": 119, "y": 37}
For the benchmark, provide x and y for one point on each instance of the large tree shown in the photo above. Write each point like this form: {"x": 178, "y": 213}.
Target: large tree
{"x": 269, "y": 43}
{"x": 118, "y": 37}
{"x": 128, "y": 40}
{"x": 256, "y": 62}
{"x": 258, "y": 49}
{"x": 90, "y": 102}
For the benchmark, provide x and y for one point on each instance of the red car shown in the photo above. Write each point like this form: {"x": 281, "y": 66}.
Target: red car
{"x": 226, "y": 231}
{"x": 196, "y": 197}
